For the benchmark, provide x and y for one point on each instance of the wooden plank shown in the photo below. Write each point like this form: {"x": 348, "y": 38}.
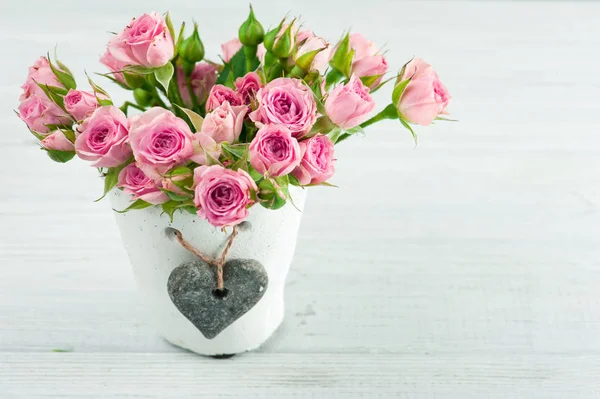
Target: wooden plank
{"x": 111, "y": 375}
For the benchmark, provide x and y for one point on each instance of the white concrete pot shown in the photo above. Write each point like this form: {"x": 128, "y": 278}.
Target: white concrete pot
{"x": 270, "y": 239}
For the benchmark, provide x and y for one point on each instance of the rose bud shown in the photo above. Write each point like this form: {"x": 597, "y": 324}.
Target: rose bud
{"x": 41, "y": 73}
{"x": 224, "y": 123}
{"x": 192, "y": 49}
{"x": 133, "y": 181}
{"x": 367, "y": 61}
{"x": 223, "y": 196}
{"x": 219, "y": 94}
{"x": 115, "y": 66}
{"x": 57, "y": 141}
{"x": 281, "y": 41}
{"x": 349, "y": 105}
{"x": 248, "y": 85}
{"x": 80, "y": 104}
{"x": 160, "y": 141}
{"x": 288, "y": 102}
{"x": 424, "y": 97}
{"x": 313, "y": 54}
{"x": 146, "y": 41}
{"x": 251, "y": 32}
{"x": 274, "y": 151}
{"x": 38, "y": 112}
{"x": 103, "y": 138}
{"x": 317, "y": 163}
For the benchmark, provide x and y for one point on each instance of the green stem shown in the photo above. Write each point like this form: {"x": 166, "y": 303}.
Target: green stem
{"x": 128, "y": 104}
{"x": 188, "y": 83}
{"x": 389, "y": 112}
{"x": 250, "y": 53}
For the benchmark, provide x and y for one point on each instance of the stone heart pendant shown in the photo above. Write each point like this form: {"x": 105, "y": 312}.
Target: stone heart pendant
{"x": 191, "y": 287}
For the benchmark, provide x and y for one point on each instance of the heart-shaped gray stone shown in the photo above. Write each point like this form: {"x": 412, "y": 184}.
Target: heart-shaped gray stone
{"x": 192, "y": 285}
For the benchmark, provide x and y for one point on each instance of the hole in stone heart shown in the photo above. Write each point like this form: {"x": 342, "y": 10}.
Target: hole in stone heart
{"x": 220, "y": 293}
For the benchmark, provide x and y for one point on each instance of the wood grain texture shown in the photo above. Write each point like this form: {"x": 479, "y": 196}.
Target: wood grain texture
{"x": 465, "y": 268}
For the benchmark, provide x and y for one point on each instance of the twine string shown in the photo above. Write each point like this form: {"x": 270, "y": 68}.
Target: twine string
{"x": 216, "y": 263}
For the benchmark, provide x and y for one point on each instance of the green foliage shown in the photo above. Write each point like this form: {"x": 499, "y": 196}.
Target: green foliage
{"x": 235, "y": 68}
{"x": 164, "y": 75}
{"x": 194, "y": 118}
{"x": 139, "y": 204}
{"x": 112, "y": 177}
{"x": 60, "y": 156}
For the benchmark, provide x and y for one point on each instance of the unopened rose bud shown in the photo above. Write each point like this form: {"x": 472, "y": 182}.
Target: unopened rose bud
{"x": 192, "y": 49}
{"x": 251, "y": 32}
{"x": 281, "y": 41}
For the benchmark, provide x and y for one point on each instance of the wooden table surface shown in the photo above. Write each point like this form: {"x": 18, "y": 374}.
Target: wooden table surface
{"x": 467, "y": 267}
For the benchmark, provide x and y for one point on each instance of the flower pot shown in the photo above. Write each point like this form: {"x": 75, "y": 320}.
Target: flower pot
{"x": 269, "y": 238}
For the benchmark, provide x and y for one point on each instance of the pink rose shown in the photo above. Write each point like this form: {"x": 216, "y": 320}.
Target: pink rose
{"x": 309, "y": 42}
{"x": 203, "y": 78}
{"x": 57, "y": 141}
{"x": 349, "y": 105}
{"x": 146, "y": 41}
{"x": 317, "y": 160}
{"x": 288, "y": 102}
{"x": 223, "y": 196}
{"x": 80, "y": 104}
{"x": 41, "y": 73}
{"x": 159, "y": 141}
{"x": 103, "y": 138}
{"x": 133, "y": 181}
{"x": 248, "y": 86}
{"x": 362, "y": 47}
{"x": 230, "y": 48}
{"x": 367, "y": 61}
{"x": 115, "y": 66}
{"x": 219, "y": 94}
{"x": 371, "y": 66}
{"x": 274, "y": 151}
{"x": 225, "y": 122}
{"x": 425, "y": 97}
{"x": 37, "y": 112}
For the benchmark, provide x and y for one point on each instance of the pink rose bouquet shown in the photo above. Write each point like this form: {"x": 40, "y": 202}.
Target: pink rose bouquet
{"x": 214, "y": 137}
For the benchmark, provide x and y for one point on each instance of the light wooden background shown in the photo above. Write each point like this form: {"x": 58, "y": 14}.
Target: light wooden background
{"x": 468, "y": 267}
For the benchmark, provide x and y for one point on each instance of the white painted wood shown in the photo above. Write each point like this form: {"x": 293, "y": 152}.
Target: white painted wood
{"x": 465, "y": 268}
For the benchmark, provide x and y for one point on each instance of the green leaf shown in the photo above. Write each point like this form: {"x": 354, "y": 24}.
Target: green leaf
{"x": 97, "y": 89}
{"x": 175, "y": 196}
{"x": 294, "y": 181}
{"x": 237, "y": 150}
{"x": 323, "y": 125}
{"x": 269, "y": 196}
{"x": 52, "y": 95}
{"x": 140, "y": 70}
{"x": 335, "y": 134}
{"x": 370, "y": 80}
{"x": 323, "y": 184}
{"x": 164, "y": 74}
{"x": 236, "y": 67}
{"x": 355, "y": 130}
{"x": 399, "y": 90}
{"x": 180, "y": 170}
{"x": 60, "y": 156}
{"x": 170, "y": 207}
{"x": 139, "y": 204}
{"x": 441, "y": 118}
{"x": 256, "y": 175}
{"x": 196, "y": 119}
{"x": 111, "y": 179}
{"x": 169, "y": 24}
{"x": 406, "y": 125}
{"x": 179, "y": 38}
{"x": 63, "y": 77}
{"x": 61, "y": 350}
